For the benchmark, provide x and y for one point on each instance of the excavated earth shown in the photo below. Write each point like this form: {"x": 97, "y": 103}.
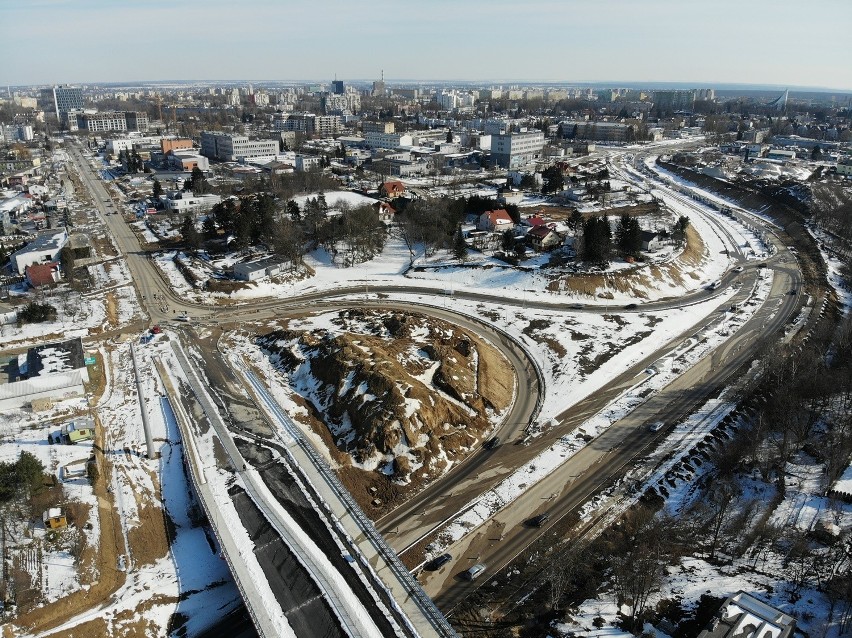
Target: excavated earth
{"x": 397, "y": 397}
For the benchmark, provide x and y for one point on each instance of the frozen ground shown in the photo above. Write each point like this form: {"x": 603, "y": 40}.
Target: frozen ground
{"x": 80, "y": 315}
{"x": 189, "y": 577}
{"x": 484, "y": 274}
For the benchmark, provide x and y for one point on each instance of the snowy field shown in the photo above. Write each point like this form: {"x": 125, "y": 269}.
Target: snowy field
{"x": 80, "y": 315}
{"x": 335, "y": 199}
{"x": 486, "y": 275}
{"x": 188, "y": 577}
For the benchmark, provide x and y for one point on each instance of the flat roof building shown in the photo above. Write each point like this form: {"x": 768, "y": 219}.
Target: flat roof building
{"x": 516, "y": 149}
{"x": 228, "y": 147}
{"x": 110, "y": 121}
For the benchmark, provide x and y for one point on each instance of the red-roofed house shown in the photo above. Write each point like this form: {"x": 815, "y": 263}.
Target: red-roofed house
{"x": 386, "y": 211}
{"x": 543, "y": 238}
{"x": 39, "y": 275}
{"x": 532, "y": 221}
{"x": 495, "y": 220}
{"x": 392, "y": 189}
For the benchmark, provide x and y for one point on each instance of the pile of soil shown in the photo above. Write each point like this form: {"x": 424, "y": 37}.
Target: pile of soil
{"x": 393, "y": 393}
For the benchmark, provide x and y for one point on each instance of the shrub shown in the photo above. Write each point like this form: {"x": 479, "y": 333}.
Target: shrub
{"x": 36, "y": 312}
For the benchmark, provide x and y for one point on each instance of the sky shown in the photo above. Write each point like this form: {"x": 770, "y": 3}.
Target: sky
{"x": 776, "y": 42}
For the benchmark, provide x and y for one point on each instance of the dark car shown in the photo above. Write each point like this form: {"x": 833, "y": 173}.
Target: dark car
{"x": 631, "y": 306}
{"x": 436, "y": 563}
{"x": 538, "y": 521}
{"x": 491, "y": 443}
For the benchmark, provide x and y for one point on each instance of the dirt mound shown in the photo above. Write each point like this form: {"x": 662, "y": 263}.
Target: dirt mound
{"x": 399, "y": 392}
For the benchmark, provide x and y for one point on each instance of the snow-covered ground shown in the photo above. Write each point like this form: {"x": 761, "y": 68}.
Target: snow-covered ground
{"x": 835, "y": 268}
{"x": 189, "y": 578}
{"x": 335, "y": 199}
{"x": 682, "y": 355}
{"x": 79, "y": 315}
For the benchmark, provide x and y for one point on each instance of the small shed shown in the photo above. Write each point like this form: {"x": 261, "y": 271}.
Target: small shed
{"x": 77, "y": 431}
{"x": 54, "y": 518}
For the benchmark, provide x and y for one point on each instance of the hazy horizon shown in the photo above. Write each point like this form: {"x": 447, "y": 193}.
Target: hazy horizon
{"x": 767, "y": 43}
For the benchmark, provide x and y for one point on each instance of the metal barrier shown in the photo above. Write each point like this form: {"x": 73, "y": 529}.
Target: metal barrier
{"x": 219, "y": 526}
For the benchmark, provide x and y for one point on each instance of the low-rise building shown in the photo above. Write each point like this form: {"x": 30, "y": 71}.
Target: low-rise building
{"x": 229, "y": 147}
{"x": 54, "y": 518}
{"x": 305, "y": 163}
{"x": 189, "y": 203}
{"x": 392, "y": 189}
{"x": 543, "y": 238}
{"x": 187, "y": 161}
{"x": 495, "y": 221}
{"x": 44, "y": 248}
{"x": 390, "y": 141}
{"x": 743, "y": 615}
{"x": 39, "y": 275}
{"x": 49, "y": 372}
{"x": 170, "y": 144}
{"x": 258, "y": 270}
{"x": 651, "y": 241}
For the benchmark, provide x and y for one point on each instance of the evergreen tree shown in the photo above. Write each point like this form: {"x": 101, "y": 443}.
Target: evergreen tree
{"x": 199, "y": 184}
{"x": 679, "y": 230}
{"x": 629, "y": 236}
{"x": 597, "y": 240}
{"x": 293, "y": 212}
{"x": 554, "y": 180}
{"x": 450, "y": 136}
{"x": 508, "y": 240}
{"x": 321, "y": 204}
{"x": 191, "y": 237}
{"x": 575, "y": 222}
{"x": 156, "y": 189}
{"x": 209, "y": 227}
{"x": 459, "y": 246}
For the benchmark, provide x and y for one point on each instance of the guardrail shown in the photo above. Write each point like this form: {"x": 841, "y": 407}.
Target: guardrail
{"x": 220, "y": 527}
{"x": 412, "y": 587}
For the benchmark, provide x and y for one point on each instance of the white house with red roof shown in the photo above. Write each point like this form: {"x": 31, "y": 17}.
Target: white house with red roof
{"x": 495, "y": 221}
{"x": 543, "y": 238}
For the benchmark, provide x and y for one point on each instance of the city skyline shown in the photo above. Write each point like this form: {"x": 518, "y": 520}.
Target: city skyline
{"x": 659, "y": 41}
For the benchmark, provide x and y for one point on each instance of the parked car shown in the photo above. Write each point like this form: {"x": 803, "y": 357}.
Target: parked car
{"x": 474, "y": 572}
{"x": 538, "y": 521}
{"x": 438, "y": 562}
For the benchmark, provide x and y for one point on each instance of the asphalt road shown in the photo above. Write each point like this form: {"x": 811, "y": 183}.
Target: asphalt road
{"x": 610, "y": 454}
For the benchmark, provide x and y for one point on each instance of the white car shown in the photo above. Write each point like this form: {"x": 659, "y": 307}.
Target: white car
{"x": 739, "y": 269}
{"x": 657, "y": 426}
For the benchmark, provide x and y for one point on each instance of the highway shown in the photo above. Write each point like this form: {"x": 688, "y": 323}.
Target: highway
{"x": 575, "y": 481}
